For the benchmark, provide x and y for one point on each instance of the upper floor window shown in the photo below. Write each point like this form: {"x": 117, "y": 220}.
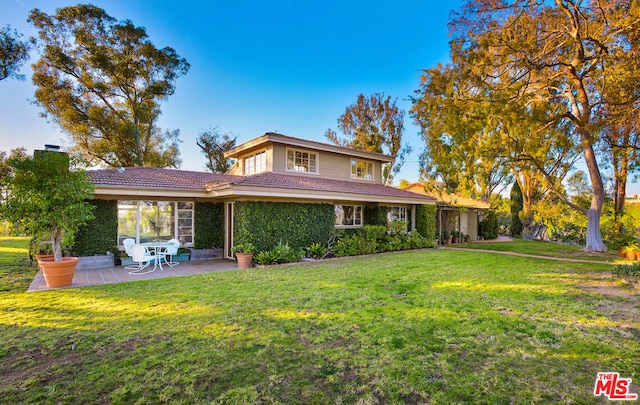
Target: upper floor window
{"x": 302, "y": 161}
{"x": 361, "y": 169}
{"x": 255, "y": 163}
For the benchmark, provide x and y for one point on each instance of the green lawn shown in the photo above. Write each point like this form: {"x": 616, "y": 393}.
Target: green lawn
{"x": 435, "y": 326}
{"x": 550, "y": 249}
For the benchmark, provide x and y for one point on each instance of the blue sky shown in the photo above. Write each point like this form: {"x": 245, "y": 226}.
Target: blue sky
{"x": 258, "y": 66}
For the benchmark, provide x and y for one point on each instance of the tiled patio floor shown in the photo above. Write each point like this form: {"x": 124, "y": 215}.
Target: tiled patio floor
{"x": 118, "y": 274}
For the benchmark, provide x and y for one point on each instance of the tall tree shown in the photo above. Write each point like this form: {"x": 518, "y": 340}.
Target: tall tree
{"x": 13, "y": 53}
{"x": 103, "y": 81}
{"x": 461, "y": 149}
{"x": 374, "y": 124}
{"x": 516, "y": 207}
{"x": 552, "y": 57}
{"x": 213, "y": 145}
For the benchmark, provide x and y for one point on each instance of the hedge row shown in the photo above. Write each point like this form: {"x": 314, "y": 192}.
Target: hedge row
{"x": 426, "y": 221}
{"x": 98, "y": 236}
{"x": 208, "y": 225}
{"x": 267, "y": 224}
{"x": 376, "y": 239}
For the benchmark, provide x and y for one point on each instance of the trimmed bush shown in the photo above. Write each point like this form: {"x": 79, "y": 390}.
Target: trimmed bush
{"x": 279, "y": 254}
{"x": 489, "y": 226}
{"x": 375, "y": 215}
{"x": 297, "y": 225}
{"x": 426, "y": 221}
{"x": 208, "y": 225}
{"x": 375, "y": 239}
{"x": 99, "y": 235}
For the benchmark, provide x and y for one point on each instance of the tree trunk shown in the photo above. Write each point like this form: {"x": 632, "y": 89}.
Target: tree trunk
{"x": 594, "y": 239}
{"x": 620, "y": 172}
{"x": 56, "y": 244}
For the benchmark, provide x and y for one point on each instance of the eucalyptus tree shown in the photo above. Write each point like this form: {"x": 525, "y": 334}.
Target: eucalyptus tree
{"x": 551, "y": 59}
{"x": 374, "y": 124}
{"x": 102, "y": 81}
{"x": 461, "y": 151}
{"x": 13, "y": 53}
{"x": 213, "y": 144}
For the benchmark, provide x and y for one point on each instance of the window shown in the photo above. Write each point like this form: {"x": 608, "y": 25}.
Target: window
{"x": 255, "y": 163}
{"x": 300, "y": 161}
{"x": 147, "y": 221}
{"x": 397, "y": 214}
{"x": 185, "y": 222}
{"x": 361, "y": 169}
{"x": 348, "y": 215}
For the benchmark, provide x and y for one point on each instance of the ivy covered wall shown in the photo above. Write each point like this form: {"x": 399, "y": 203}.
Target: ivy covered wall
{"x": 98, "y": 236}
{"x": 375, "y": 215}
{"x": 266, "y": 224}
{"x": 426, "y": 221}
{"x": 208, "y": 225}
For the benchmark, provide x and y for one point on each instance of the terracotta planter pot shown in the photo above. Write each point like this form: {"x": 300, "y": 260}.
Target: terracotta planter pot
{"x": 58, "y": 274}
{"x": 244, "y": 260}
{"x": 454, "y": 239}
{"x": 630, "y": 254}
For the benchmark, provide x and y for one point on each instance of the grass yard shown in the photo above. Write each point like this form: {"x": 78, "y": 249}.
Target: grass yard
{"x": 433, "y": 326}
{"x": 550, "y": 249}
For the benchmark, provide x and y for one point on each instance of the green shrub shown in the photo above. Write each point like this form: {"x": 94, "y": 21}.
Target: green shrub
{"x": 489, "y": 226}
{"x": 279, "y": 254}
{"x": 397, "y": 226}
{"x": 297, "y": 225}
{"x": 628, "y": 272}
{"x": 208, "y": 225}
{"x": 375, "y": 215}
{"x": 99, "y": 235}
{"x": 375, "y": 239}
{"x": 316, "y": 250}
{"x": 426, "y": 221}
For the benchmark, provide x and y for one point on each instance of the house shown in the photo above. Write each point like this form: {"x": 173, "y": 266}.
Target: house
{"x": 280, "y": 190}
{"x": 455, "y": 212}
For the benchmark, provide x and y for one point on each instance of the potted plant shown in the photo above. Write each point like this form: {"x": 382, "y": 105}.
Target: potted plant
{"x": 466, "y": 238}
{"x": 45, "y": 196}
{"x": 446, "y": 237}
{"x": 244, "y": 254}
{"x": 629, "y": 250}
{"x": 454, "y": 236}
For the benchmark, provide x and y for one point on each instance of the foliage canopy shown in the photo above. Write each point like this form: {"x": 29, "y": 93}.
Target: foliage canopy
{"x": 374, "y": 124}
{"x": 44, "y": 196}
{"x": 13, "y": 53}
{"x": 102, "y": 81}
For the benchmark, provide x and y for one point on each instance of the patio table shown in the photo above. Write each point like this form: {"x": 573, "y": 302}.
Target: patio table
{"x": 158, "y": 251}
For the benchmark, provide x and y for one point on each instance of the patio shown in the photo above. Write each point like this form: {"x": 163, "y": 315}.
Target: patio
{"x": 118, "y": 274}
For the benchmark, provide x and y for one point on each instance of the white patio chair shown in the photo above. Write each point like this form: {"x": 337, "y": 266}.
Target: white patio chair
{"x": 127, "y": 243}
{"x": 171, "y": 251}
{"x": 141, "y": 255}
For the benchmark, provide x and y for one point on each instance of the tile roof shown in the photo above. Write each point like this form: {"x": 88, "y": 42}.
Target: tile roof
{"x": 289, "y": 181}
{"x": 155, "y": 177}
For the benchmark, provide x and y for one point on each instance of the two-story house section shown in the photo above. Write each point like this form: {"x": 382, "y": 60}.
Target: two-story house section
{"x": 282, "y": 154}
{"x": 270, "y": 171}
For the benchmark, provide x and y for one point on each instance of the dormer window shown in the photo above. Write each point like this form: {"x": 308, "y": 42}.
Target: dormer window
{"x": 302, "y": 161}
{"x": 255, "y": 163}
{"x": 361, "y": 169}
